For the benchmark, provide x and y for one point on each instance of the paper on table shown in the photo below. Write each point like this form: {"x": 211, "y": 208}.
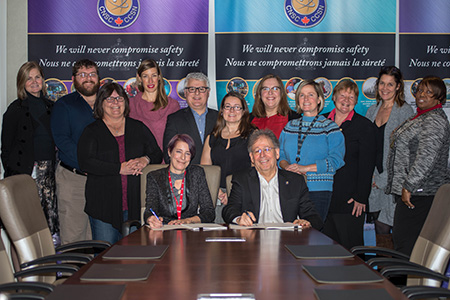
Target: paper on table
{"x": 279, "y": 226}
{"x": 193, "y": 226}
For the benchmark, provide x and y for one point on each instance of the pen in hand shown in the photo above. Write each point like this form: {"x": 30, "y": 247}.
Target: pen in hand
{"x": 154, "y": 214}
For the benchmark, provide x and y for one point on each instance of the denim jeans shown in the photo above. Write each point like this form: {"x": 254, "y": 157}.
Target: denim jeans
{"x": 106, "y": 232}
{"x": 321, "y": 200}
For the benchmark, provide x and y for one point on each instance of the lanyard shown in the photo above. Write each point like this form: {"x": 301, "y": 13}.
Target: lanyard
{"x": 180, "y": 203}
{"x": 302, "y": 136}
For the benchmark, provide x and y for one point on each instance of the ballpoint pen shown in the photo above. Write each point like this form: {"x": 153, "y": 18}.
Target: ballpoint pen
{"x": 154, "y": 214}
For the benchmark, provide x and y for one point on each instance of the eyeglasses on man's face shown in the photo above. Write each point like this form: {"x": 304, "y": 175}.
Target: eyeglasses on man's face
{"x": 86, "y": 75}
{"x": 230, "y": 107}
{"x": 193, "y": 89}
{"x": 114, "y": 99}
{"x": 259, "y": 151}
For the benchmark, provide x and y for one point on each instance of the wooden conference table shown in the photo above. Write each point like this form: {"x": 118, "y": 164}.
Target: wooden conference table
{"x": 261, "y": 265}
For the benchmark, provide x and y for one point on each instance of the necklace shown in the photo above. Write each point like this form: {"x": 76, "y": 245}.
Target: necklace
{"x": 116, "y": 130}
{"x": 179, "y": 204}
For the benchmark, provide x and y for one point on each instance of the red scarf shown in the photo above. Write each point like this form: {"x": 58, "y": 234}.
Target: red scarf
{"x": 422, "y": 111}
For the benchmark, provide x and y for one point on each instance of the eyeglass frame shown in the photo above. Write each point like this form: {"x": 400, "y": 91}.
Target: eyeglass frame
{"x": 266, "y": 150}
{"x": 235, "y": 108}
{"x": 118, "y": 99}
{"x": 87, "y": 75}
{"x": 273, "y": 89}
{"x": 195, "y": 89}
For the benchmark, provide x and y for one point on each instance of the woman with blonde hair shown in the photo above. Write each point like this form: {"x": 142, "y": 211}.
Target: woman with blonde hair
{"x": 313, "y": 145}
{"x": 27, "y": 142}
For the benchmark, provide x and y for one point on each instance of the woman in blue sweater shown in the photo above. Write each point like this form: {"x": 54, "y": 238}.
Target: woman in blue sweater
{"x": 313, "y": 145}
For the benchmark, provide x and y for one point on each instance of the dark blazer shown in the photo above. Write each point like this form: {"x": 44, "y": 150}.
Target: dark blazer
{"x": 98, "y": 156}
{"x": 183, "y": 121}
{"x": 17, "y": 136}
{"x": 354, "y": 179}
{"x": 159, "y": 196}
{"x": 293, "y": 193}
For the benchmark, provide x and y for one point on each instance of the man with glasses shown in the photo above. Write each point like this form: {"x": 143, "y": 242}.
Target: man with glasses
{"x": 267, "y": 194}
{"x": 196, "y": 120}
{"x": 70, "y": 115}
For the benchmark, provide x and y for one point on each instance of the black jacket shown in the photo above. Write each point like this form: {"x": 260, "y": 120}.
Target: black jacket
{"x": 17, "y": 136}
{"x": 293, "y": 197}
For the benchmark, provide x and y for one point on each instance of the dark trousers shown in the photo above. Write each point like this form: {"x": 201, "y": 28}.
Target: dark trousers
{"x": 345, "y": 229}
{"x": 409, "y": 222}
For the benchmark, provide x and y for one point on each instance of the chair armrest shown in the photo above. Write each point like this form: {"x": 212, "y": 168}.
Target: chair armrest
{"x": 64, "y": 268}
{"x": 378, "y": 251}
{"x": 409, "y": 270}
{"x": 25, "y": 285}
{"x": 83, "y": 245}
{"x": 25, "y": 296}
{"x": 422, "y": 292}
{"x": 388, "y": 261}
{"x": 128, "y": 224}
{"x": 63, "y": 257}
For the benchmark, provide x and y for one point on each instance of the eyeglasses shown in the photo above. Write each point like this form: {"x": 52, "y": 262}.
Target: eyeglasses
{"x": 201, "y": 89}
{"x": 274, "y": 88}
{"x": 114, "y": 99}
{"x": 235, "y": 108}
{"x": 85, "y": 75}
{"x": 266, "y": 150}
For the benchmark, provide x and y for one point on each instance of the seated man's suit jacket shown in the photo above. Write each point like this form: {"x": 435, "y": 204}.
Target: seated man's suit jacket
{"x": 293, "y": 197}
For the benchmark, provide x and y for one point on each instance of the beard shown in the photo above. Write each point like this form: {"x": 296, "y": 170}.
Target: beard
{"x": 87, "y": 91}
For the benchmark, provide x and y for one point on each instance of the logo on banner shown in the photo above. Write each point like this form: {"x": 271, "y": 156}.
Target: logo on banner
{"x": 305, "y": 13}
{"x": 118, "y": 14}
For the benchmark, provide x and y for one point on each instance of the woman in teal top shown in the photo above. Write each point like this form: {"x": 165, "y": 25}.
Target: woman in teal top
{"x": 313, "y": 145}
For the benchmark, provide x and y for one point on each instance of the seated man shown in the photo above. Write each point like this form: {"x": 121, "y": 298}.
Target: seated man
{"x": 266, "y": 194}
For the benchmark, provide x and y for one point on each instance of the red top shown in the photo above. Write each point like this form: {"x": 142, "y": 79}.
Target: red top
{"x": 121, "y": 141}
{"x": 422, "y": 111}
{"x": 275, "y": 123}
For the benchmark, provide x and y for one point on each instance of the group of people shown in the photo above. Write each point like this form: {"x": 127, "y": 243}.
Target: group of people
{"x": 325, "y": 171}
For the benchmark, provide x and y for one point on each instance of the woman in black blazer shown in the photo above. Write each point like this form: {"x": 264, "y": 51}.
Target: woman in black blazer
{"x": 113, "y": 151}
{"x": 178, "y": 194}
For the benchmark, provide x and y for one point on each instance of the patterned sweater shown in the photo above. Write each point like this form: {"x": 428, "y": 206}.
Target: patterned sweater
{"x": 418, "y": 158}
{"x": 323, "y": 145}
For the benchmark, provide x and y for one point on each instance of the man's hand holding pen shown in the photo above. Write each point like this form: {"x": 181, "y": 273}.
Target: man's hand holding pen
{"x": 246, "y": 219}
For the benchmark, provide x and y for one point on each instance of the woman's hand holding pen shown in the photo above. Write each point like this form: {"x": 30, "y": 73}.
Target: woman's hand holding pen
{"x": 247, "y": 219}
{"x": 154, "y": 222}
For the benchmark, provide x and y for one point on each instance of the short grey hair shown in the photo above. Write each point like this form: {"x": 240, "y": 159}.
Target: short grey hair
{"x": 267, "y": 133}
{"x": 197, "y": 76}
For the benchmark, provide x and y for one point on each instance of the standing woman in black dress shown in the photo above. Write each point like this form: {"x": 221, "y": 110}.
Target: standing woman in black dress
{"x": 226, "y": 146}
{"x": 27, "y": 143}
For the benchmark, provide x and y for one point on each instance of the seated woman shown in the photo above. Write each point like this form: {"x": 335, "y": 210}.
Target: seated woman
{"x": 226, "y": 146}
{"x": 113, "y": 150}
{"x": 178, "y": 194}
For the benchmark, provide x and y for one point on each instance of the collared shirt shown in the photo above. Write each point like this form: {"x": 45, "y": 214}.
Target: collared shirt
{"x": 270, "y": 209}
{"x": 332, "y": 115}
{"x": 200, "y": 120}
{"x": 70, "y": 115}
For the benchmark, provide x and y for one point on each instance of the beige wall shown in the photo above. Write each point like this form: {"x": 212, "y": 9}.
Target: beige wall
{"x": 16, "y": 41}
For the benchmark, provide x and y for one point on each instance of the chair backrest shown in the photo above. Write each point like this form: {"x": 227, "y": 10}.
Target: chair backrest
{"x": 24, "y": 220}
{"x": 432, "y": 248}
{"x": 212, "y": 178}
{"x": 6, "y": 271}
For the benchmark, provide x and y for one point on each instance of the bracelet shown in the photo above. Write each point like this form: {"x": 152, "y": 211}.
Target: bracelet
{"x": 148, "y": 159}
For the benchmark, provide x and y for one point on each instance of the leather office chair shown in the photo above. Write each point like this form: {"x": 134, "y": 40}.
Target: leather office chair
{"x": 26, "y": 226}
{"x": 212, "y": 178}
{"x": 9, "y": 285}
{"x": 431, "y": 252}
{"x": 229, "y": 184}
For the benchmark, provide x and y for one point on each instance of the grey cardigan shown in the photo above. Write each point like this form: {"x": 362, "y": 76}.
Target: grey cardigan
{"x": 419, "y": 154}
{"x": 398, "y": 115}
